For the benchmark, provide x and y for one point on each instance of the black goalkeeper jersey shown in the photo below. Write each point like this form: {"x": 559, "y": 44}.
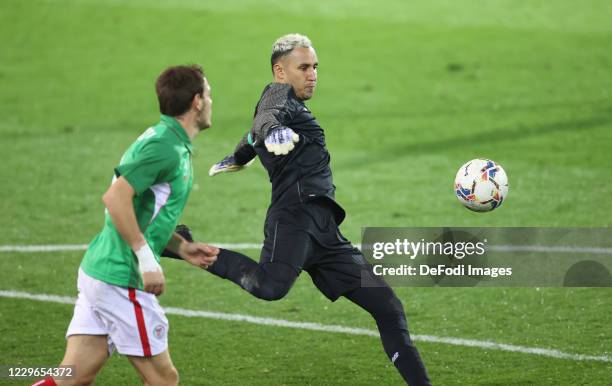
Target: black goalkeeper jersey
{"x": 303, "y": 174}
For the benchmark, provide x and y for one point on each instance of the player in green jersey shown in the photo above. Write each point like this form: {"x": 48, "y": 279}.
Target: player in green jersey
{"x": 120, "y": 275}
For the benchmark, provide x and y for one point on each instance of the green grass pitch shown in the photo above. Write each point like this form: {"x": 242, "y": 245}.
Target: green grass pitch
{"x": 408, "y": 91}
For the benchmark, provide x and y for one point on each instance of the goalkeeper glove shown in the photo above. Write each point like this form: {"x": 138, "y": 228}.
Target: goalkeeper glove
{"x": 227, "y": 164}
{"x": 280, "y": 140}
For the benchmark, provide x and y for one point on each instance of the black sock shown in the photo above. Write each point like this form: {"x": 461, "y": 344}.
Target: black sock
{"x": 268, "y": 281}
{"x": 404, "y": 356}
{"x": 388, "y": 312}
{"x": 229, "y": 264}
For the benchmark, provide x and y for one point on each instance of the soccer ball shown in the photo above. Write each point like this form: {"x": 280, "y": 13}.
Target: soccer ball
{"x": 481, "y": 185}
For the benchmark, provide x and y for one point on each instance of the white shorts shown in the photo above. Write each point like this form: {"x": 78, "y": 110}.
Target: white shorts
{"x": 132, "y": 319}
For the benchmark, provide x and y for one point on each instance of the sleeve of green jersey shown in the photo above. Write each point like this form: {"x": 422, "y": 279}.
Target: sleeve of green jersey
{"x": 153, "y": 164}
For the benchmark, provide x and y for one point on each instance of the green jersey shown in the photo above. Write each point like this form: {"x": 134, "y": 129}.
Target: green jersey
{"x": 158, "y": 167}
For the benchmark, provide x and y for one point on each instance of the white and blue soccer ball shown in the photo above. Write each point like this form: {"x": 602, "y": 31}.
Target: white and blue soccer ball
{"x": 481, "y": 185}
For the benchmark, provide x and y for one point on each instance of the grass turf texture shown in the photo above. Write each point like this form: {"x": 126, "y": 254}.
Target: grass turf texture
{"x": 218, "y": 352}
{"x": 407, "y": 93}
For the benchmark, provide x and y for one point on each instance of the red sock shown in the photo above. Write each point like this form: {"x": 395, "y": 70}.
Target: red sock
{"x": 45, "y": 382}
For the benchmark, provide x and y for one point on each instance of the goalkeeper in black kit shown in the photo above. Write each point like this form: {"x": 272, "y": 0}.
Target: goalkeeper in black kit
{"x": 301, "y": 227}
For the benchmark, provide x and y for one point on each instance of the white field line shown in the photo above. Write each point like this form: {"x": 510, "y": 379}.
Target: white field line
{"x": 549, "y": 249}
{"x": 483, "y": 344}
{"x": 82, "y": 247}
{"x": 43, "y": 248}
{"x": 498, "y": 248}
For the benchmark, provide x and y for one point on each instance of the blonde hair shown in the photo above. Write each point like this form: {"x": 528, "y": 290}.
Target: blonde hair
{"x": 285, "y": 44}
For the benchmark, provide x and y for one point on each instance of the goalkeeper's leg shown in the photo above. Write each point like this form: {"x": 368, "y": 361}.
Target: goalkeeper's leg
{"x": 282, "y": 257}
{"x": 286, "y": 248}
{"x": 388, "y": 312}
{"x": 266, "y": 280}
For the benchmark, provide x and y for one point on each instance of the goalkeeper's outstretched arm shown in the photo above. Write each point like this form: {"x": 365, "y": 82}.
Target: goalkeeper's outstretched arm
{"x": 244, "y": 151}
{"x": 273, "y": 112}
{"x": 243, "y": 156}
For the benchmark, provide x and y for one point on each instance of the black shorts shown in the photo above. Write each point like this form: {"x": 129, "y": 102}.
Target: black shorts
{"x": 306, "y": 237}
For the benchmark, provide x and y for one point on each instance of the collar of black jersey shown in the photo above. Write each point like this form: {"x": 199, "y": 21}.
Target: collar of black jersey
{"x": 178, "y": 129}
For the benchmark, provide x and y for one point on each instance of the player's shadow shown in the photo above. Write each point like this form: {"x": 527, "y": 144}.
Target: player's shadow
{"x": 481, "y": 138}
